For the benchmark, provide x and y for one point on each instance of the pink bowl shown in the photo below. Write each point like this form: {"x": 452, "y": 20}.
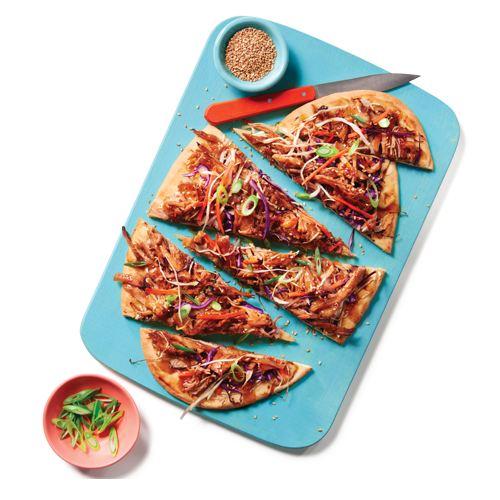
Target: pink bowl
{"x": 127, "y": 427}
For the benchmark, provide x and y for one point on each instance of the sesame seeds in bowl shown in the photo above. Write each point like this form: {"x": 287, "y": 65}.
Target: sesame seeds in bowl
{"x": 251, "y": 54}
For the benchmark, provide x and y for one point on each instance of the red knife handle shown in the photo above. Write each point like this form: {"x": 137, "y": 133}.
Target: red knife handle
{"x": 227, "y": 111}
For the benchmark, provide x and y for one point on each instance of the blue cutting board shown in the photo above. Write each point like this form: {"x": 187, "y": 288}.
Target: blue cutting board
{"x": 313, "y": 402}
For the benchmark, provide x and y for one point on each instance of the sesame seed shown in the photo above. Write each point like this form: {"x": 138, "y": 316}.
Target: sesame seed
{"x": 319, "y": 362}
{"x": 251, "y": 345}
{"x": 367, "y": 323}
{"x": 225, "y": 85}
{"x": 213, "y": 98}
{"x": 274, "y": 403}
{"x": 190, "y": 128}
{"x": 322, "y": 338}
{"x": 319, "y": 430}
{"x": 360, "y": 245}
{"x": 178, "y": 144}
{"x": 427, "y": 204}
{"x": 310, "y": 208}
{"x": 178, "y": 114}
{"x": 308, "y": 350}
{"x": 272, "y": 343}
{"x": 255, "y": 416}
{"x": 283, "y": 356}
{"x": 182, "y": 149}
{"x": 415, "y": 196}
{"x": 206, "y": 90}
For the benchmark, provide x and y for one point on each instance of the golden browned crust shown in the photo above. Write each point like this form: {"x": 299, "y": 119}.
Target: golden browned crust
{"x": 408, "y": 118}
{"x": 171, "y": 382}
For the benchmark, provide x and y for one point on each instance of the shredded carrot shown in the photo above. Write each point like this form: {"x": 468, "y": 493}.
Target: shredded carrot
{"x": 210, "y": 241}
{"x": 353, "y": 207}
{"x": 318, "y": 170}
{"x": 217, "y": 211}
{"x": 304, "y": 316}
{"x": 282, "y": 373}
{"x": 323, "y": 228}
{"x": 335, "y": 246}
{"x": 220, "y": 316}
{"x": 298, "y": 294}
{"x": 219, "y": 389}
{"x": 383, "y": 115}
{"x": 185, "y": 374}
{"x": 159, "y": 291}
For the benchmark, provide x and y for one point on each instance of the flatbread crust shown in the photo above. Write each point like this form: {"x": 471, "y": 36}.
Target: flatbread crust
{"x": 171, "y": 382}
{"x": 140, "y": 234}
{"x": 408, "y": 118}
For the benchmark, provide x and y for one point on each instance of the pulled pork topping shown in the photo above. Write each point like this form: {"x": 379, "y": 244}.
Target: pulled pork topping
{"x": 315, "y": 289}
{"x": 203, "y": 365}
{"x": 224, "y": 190}
{"x": 171, "y": 287}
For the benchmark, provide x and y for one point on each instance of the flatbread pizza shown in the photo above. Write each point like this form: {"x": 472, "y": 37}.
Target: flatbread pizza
{"x": 342, "y": 150}
{"x": 212, "y": 376}
{"x": 330, "y": 296}
{"x": 160, "y": 283}
{"x": 212, "y": 184}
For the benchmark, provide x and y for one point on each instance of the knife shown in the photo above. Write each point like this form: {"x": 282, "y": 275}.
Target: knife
{"x": 236, "y": 109}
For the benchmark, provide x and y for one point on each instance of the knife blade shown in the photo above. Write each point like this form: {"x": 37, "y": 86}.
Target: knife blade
{"x": 236, "y": 109}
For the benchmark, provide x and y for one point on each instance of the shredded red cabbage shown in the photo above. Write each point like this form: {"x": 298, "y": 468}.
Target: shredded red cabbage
{"x": 228, "y": 222}
{"x": 253, "y": 184}
{"x": 281, "y": 237}
{"x": 351, "y": 239}
{"x": 203, "y": 169}
{"x": 250, "y": 306}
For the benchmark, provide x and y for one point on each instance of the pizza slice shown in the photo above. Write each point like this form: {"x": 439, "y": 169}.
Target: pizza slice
{"x": 212, "y": 376}
{"x": 161, "y": 283}
{"x": 341, "y": 149}
{"x": 213, "y": 184}
{"x": 330, "y": 296}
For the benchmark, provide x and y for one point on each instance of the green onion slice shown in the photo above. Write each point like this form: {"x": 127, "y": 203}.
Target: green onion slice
{"x": 317, "y": 258}
{"x": 235, "y": 367}
{"x": 373, "y": 201}
{"x": 78, "y": 410}
{"x": 237, "y": 186}
{"x": 267, "y": 244}
{"x": 138, "y": 263}
{"x": 284, "y": 280}
{"x": 222, "y": 195}
{"x": 327, "y": 151}
{"x": 113, "y": 442}
{"x": 242, "y": 338}
{"x": 91, "y": 441}
{"x": 215, "y": 305}
{"x": 384, "y": 123}
{"x": 59, "y": 422}
{"x": 272, "y": 280}
{"x": 250, "y": 205}
{"x": 303, "y": 262}
{"x": 358, "y": 118}
{"x": 81, "y": 396}
{"x": 111, "y": 418}
{"x": 189, "y": 297}
{"x": 182, "y": 348}
{"x": 353, "y": 148}
{"x": 303, "y": 196}
{"x": 185, "y": 310}
{"x": 169, "y": 299}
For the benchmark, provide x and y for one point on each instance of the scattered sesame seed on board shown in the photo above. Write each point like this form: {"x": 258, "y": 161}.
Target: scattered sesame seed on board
{"x": 415, "y": 196}
{"x": 251, "y": 345}
{"x": 178, "y": 114}
{"x": 225, "y": 85}
{"x": 319, "y": 362}
{"x": 322, "y": 338}
{"x": 148, "y": 202}
{"x": 255, "y": 416}
{"x": 197, "y": 107}
{"x": 367, "y": 323}
{"x": 213, "y": 98}
{"x": 320, "y": 430}
{"x": 308, "y": 350}
{"x": 178, "y": 144}
{"x": 428, "y": 204}
{"x": 206, "y": 90}
{"x": 360, "y": 245}
{"x": 190, "y": 128}
{"x": 182, "y": 149}
{"x": 274, "y": 403}
{"x": 272, "y": 343}
{"x": 283, "y": 356}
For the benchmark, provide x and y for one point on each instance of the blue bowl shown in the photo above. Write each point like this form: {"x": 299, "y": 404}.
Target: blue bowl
{"x": 280, "y": 64}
